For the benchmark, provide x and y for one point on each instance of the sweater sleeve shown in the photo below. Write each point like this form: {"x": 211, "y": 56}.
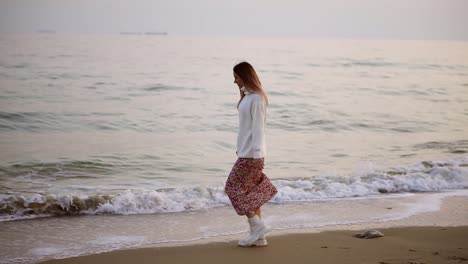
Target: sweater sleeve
{"x": 258, "y": 112}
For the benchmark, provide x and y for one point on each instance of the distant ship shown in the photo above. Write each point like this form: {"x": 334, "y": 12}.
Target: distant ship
{"x": 130, "y": 33}
{"x": 46, "y": 31}
{"x": 156, "y": 33}
{"x": 145, "y": 33}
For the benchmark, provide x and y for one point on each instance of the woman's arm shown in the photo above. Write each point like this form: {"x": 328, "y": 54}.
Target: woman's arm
{"x": 258, "y": 113}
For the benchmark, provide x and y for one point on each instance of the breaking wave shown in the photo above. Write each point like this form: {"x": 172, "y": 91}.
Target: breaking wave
{"x": 426, "y": 176}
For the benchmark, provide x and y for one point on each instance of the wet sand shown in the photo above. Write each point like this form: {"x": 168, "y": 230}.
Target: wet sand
{"x": 433, "y": 237}
{"x": 414, "y": 245}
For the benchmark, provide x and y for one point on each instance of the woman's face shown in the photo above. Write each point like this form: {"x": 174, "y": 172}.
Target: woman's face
{"x": 238, "y": 81}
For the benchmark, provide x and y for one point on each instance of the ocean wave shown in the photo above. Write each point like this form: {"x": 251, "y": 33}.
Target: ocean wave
{"x": 62, "y": 169}
{"x": 426, "y": 176}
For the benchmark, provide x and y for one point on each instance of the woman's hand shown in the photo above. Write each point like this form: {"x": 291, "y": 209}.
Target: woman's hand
{"x": 258, "y": 163}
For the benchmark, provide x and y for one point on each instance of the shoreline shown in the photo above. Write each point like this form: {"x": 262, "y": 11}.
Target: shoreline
{"x": 419, "y": 245}
{"x": 444, "y": 231}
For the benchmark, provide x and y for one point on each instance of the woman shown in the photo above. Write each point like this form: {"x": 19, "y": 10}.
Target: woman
{"x": 247, "y": 186}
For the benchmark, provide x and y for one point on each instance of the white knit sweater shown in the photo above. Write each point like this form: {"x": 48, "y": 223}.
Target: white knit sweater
{"x": 252, "y": 121}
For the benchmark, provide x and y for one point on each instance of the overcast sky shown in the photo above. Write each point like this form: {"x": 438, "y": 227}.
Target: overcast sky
{"x": 389, "y": 19}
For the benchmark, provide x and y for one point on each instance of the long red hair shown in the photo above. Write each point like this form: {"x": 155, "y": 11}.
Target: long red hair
{"x": 251, "y": 81}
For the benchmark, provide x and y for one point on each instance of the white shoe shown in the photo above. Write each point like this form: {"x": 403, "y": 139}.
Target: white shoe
{"x": 260, "y": 243}
{"x": 257, "y": 229}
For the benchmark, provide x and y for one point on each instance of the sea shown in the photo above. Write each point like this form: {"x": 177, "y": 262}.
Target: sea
{"x": 113, "y": 141}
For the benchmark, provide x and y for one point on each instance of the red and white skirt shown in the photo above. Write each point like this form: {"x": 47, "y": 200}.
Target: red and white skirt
{"x": 248, "y": 187}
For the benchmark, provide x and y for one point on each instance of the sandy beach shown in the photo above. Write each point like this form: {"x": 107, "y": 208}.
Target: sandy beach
{"x": 400, "y": 245}
{"x": 406, "y": 241}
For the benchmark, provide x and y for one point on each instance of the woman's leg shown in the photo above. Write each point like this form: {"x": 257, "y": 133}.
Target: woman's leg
{"x": 259, "y": 212}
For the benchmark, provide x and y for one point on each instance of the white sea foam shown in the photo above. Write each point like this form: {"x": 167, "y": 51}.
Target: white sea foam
{"x": 47, "y": 251}
{"x": 373, "y": 182}
{"x": 434, "y": 176}
{"x": 118, "y": 240}
{"x": 157, "y": 201}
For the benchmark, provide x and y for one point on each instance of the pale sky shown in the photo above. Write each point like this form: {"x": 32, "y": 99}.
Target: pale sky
{"x": 387, "y": 19}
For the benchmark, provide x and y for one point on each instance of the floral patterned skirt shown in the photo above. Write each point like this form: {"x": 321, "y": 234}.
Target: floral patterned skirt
{"x": 248, "y": 187}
